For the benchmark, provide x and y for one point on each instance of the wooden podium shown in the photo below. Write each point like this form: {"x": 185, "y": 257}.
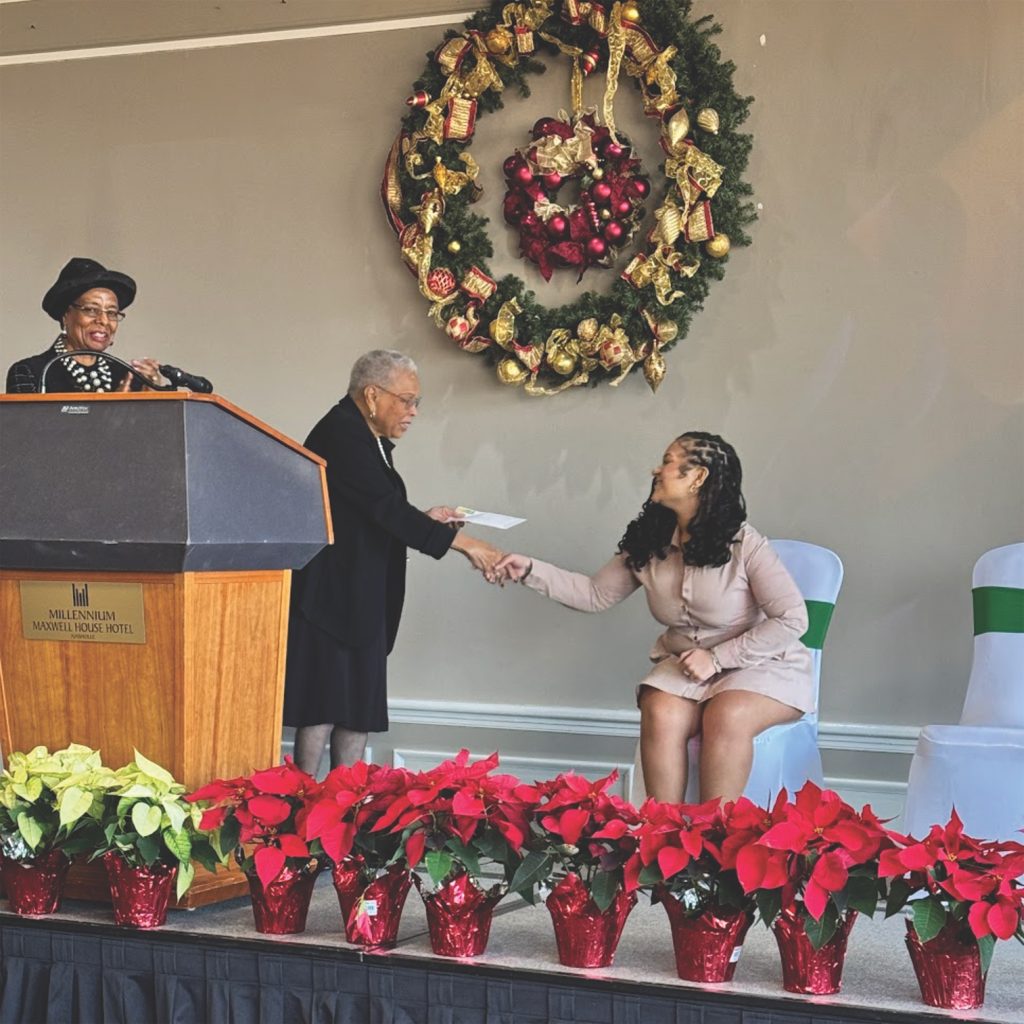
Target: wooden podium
{"x": 146, "y": 543}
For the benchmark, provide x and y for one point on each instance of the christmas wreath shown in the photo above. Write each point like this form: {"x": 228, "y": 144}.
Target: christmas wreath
{"x": 430, "y": 182}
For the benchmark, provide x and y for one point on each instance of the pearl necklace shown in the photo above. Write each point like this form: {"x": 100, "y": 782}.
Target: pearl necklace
{"x": 383, "y": 454}
{"x": 97, "y": 377}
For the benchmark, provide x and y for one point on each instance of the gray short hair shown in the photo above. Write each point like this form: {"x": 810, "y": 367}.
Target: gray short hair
{"x": 378, "y": 367}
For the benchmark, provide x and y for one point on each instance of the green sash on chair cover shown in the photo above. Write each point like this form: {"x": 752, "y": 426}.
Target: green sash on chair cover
{"x": 819, "y": 614}
{"x": 998, "y": 610}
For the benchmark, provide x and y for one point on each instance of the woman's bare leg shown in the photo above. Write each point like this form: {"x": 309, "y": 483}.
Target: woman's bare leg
{"x": 732, "y": 719}
{"x": 666, "y": 724}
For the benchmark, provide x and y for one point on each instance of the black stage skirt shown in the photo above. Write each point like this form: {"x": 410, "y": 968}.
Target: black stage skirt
{"x": 328, "y": 682}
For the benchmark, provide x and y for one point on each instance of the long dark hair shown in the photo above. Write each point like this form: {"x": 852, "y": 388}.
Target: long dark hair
{"x": 721, "y": 510}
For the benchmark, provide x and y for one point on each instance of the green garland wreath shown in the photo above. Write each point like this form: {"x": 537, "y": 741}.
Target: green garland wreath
{"x": 703, "y": 203}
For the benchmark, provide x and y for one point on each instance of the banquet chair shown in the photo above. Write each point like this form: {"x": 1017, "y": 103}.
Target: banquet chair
{"x": 977, "y": 766}
{"x": 784, "y": 755}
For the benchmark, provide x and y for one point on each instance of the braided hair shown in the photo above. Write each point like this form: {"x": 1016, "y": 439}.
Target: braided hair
{"x": 721, "y": 510}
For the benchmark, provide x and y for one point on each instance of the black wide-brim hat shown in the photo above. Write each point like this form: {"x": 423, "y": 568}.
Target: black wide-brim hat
{"x": 78, "y": 276}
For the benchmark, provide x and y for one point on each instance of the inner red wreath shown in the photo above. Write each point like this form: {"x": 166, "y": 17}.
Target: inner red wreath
{"x": 593, "y": 230}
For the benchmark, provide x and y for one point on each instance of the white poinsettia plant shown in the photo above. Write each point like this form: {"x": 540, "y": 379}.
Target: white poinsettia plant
{"x": 145, "y": 820}
{"x": 51, "y": 801}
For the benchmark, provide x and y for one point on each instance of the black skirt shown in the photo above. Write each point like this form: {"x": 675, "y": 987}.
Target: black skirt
{"x": 327, "y": 682}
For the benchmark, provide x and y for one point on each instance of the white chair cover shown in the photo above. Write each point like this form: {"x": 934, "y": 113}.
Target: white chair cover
{"x": 787, "y": 755}
{"x": 978, "y": 766}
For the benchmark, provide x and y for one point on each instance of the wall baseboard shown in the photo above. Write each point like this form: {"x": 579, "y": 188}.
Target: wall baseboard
{"x": 624, "y": 722}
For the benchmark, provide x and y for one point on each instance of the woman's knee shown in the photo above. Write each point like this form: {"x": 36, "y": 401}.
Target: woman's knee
{"x": 666, "y": 711}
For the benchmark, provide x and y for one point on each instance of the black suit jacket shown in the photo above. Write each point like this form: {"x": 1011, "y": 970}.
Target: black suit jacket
{"x": 356, "y": 587}
{"x": 23, "y": 376}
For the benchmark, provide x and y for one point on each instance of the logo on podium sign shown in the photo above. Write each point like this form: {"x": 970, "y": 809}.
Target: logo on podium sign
{"x": 87, "y": 611}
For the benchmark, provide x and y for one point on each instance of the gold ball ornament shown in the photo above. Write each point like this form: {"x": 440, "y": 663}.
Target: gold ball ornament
{"x": 498, "y": 40}
{"x": 512, "y": 372}
{"x": 561, "y": 361}
{"x": 707, "y": 118}
{"x": 717, "y": 246}
{"x": 654, "y": 370}
{"x": 454, "y": 245}
{"x": 605, "y": 214}
{"x": 597, "y": 173}
{"x": 631, "y": 13}
{"x": 666, "y": 331}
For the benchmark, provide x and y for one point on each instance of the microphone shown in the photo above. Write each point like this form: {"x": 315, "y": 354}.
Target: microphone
{"x": 179, "y": 378}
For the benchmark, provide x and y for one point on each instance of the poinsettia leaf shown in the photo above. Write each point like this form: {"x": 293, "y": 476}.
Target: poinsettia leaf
{"x": 439, "y": 864}
{"x": 861, "y": 894}
{"x": 146, "y": 818}
{"x": 178, "y": 842}
{"x": 174, "y": 811}
{"x": 186, "y": 872}
{"x": 205, "y": 854}
{"x": 30, "y": 829}
{"x": 536, "y": 867}
{"x": 730, "y": 892}
{"x": 492, "y": 844}
{"x": 769, "y": 903}
{"x": 820, "y": 931}
{"x": 650, "y": 875}
{"x": 929, "y": 917}
{"x": 986, "y": 947}
{"x": 899, "y": 890}
{"x": 461, "y": 852}
{"x": 269, "y": 863}
{"x": 230, "y": 831}
{"x": 149, "y": 848}
{"x": 603, "y": 889}
{"x": 74, "y": 802}
{"x": 154, "y": 770}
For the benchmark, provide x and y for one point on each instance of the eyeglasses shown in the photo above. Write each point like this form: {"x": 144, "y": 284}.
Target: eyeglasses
{"x": 409, "y": 403}
{"x": 95, "y": 312}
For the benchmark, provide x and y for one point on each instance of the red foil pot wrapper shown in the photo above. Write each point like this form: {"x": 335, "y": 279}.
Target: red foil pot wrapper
{"x": 807, "y": 970}
{"x": 35, "y": 887}
{"x": 140, "y": 895}
{"x": 586, "y": 936}
{"x": 459, "y": 917}
{"x": 707, "y": 945}
{"x": 948, "y": 969}
{"x": 281, "y": 907}
{"x": 371, "y": 911}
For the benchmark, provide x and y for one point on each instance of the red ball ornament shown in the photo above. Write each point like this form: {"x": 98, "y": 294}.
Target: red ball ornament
{"x": 553, "y": 180}
{"x": 523, "y": 175}
{"x": 557, "y": 226}
{"x": 613, "y": 151}
{"x": 596, "y": 248}
{"x": 614, "y": 231}
{"x": 623, "y": 207}
{"x": 510, "y": 166}
{"x": 441, "y": 281}
{"x": 601, "y": 192}
{"x": 640, "y": 187}
{"x": 529, "y": 220}
{"x": 545, "y": 126}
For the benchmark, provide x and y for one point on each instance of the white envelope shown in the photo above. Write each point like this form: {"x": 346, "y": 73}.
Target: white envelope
{"x": 495, "y": 519}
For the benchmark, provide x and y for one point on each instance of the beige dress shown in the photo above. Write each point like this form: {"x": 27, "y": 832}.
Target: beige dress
{"x": 749, "y": 612}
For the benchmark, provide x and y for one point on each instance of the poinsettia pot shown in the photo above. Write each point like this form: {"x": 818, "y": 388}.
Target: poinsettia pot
{"x": 805, "y": 969}
{"x": 459, "y": 916}
{"x": 140, "y": 895}
{"x": 371, "y": 905}
{"x": 280, "y": 908}
{"x": 35, "y": 887}
{"x": 707, "y": 944}
{"x": 948, "y": 968}
{"x": 586, "y": 935}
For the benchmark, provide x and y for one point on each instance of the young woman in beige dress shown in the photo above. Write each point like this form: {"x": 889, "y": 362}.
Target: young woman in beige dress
{"x": 730, "y": 663}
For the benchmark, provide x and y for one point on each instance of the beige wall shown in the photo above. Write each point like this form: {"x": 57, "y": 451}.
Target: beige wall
{"x": 864, "y": 355}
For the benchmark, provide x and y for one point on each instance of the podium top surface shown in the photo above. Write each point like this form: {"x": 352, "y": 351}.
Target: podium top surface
{"x": 154, "y": 481}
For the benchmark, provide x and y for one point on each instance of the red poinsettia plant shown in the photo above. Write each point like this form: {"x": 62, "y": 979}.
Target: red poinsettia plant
{"x": 814, "y": 856}
{"x": 346, "y": 811}
{"x": 262, "y": 819}
{"x": 462, "y": 819}
{"x": 580, "y": 830}
{"x": 681, "y": 854}
{"x": 952, "y": 879}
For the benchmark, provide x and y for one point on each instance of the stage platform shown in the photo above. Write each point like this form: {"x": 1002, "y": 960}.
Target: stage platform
{"x": 209, "y": 965}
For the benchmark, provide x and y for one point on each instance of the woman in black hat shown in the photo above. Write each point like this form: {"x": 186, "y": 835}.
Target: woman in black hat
{"x": 88, "y": 301}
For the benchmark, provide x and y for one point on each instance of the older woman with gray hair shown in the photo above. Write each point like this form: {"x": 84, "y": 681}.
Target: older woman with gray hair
{"x": 347, "y": 603}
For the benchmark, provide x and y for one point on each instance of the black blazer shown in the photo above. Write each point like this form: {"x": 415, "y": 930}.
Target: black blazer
{"x": 356, "y": 587}
{"x": 23, "y": 376}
